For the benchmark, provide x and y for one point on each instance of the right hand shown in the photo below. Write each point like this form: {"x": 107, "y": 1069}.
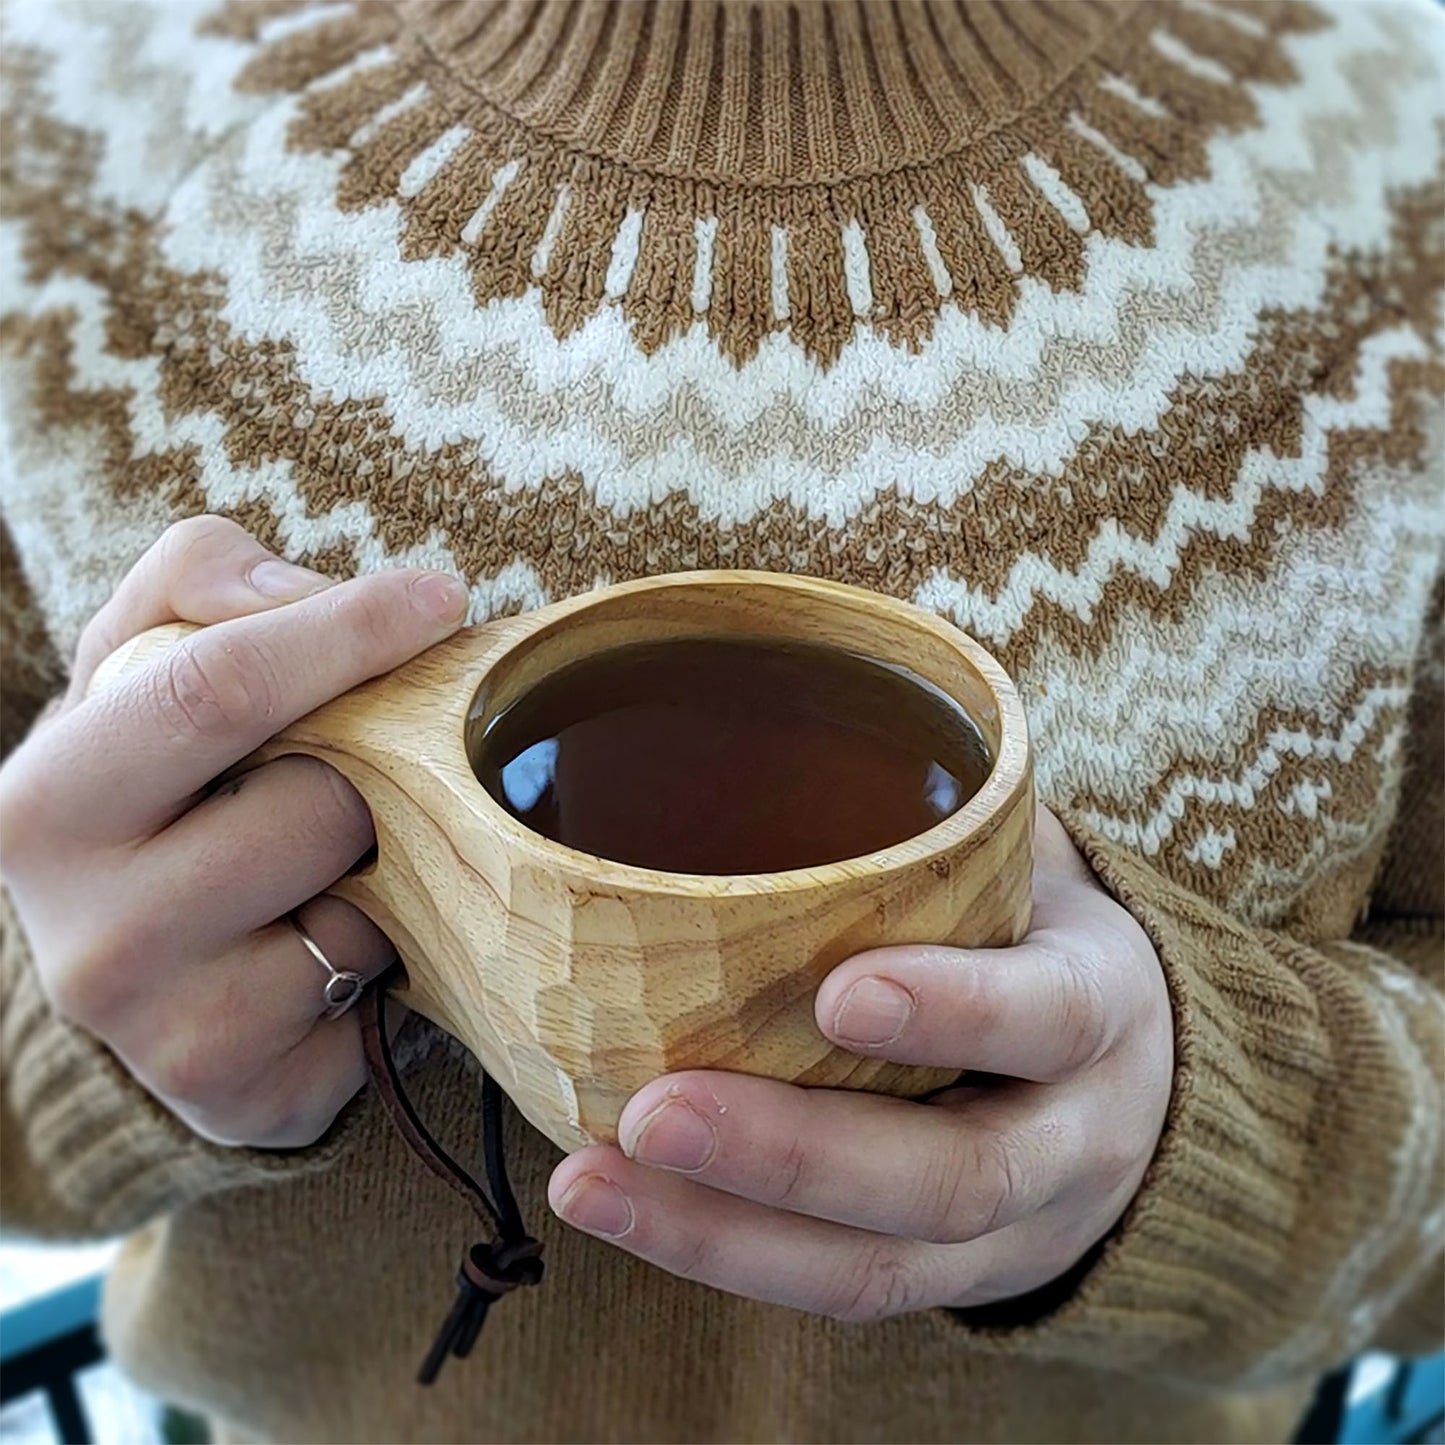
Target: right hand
{"x": 156, "y": 906}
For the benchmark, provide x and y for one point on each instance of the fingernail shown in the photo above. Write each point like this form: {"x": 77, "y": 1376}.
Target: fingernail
{"x": 874, "y": 1011}
{"x": 674, "y": 1136}
{"x": 274, "y": 578}
{"x": 440, "y": 596}
{"x": 598, "y": 1206}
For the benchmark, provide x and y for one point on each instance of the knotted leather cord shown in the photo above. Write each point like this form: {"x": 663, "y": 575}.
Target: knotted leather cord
{"x": 488, "y": 1270}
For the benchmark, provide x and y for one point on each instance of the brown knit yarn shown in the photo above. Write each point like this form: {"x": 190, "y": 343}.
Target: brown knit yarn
{"x": 832, "y": 160}
{"x": 1110, "y": 332}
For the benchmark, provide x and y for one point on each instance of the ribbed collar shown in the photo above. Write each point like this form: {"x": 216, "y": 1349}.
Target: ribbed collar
{"x": 762, "y": 91}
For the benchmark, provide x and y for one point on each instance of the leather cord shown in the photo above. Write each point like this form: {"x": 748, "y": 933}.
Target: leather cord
{"x": 492, "y": 1268}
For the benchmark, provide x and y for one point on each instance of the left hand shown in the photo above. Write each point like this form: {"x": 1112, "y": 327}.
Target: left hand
{"x": 859, "y": 1207}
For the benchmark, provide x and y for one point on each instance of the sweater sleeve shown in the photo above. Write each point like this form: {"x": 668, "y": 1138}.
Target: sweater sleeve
{"x": 1293, "y": 1213}
{"x": 84, "y": 1150}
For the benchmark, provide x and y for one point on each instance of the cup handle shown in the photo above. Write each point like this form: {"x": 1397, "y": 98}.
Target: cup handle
{"x": 344, "y": 734}
{"x": 131, "y": 656}
{"x": 514, "y": 1258}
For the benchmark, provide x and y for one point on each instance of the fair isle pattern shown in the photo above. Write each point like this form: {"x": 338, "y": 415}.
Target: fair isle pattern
{"x": 1101, "y": 490}
{"x": 792, "y": 169}
{"x": 33, "y": 674}
{"x": 1105, "y": 489}
{"x": 1113, "y": 332}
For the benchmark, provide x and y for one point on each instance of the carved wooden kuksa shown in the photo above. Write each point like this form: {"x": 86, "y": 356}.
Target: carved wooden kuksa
{"x": 575, "y": 979}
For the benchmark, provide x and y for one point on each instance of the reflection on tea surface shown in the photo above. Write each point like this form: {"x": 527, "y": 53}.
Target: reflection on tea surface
{"x": 731, "y": 755}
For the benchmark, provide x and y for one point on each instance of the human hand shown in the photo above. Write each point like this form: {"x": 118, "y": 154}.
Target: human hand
{"x": 155, "y": 905}
{"x": 861, "y": 1207}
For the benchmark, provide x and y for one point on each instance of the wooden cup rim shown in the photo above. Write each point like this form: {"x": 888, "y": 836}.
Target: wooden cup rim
{"x": 974, "y": 821}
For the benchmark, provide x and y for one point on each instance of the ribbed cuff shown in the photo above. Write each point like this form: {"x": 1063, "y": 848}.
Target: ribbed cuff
{"x": 1268, "y": 1171}
{"x": 102, "y": 1151}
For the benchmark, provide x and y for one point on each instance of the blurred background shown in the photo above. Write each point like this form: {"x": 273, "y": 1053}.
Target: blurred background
{"x": 55, "y": 1382}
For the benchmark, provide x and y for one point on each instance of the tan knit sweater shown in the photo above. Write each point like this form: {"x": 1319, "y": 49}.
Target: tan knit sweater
{"x": 1112, "y": 332}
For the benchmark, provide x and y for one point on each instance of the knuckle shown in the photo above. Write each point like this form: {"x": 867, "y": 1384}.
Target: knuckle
{"x": 979, "y": 1000}
{"x": 784, "y": 1179}
{"x": 695, "y": 1258}
{"x": 90, "y": 985}
{"x": 1083, "y": 1020}
{"x": 213, "y": 691}
{"x": 185, "y": 544}
{"x": 1058, "y": 1149}
{"x": 1001, "y": 1171}
{"x": 1114, "y": 1164}
{"x": 882, "y": 1283}
{"x": 371, "y": 616}
{"x": 941, "y": 1192}
{"x": 193, "y": 1073}
{"x": 215, "y": 856}
{"x": 311, "y": 809}
{"x": 335, "y": 811}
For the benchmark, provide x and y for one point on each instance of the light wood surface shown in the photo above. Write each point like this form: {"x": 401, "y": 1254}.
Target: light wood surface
{"x": 575, "y": 979}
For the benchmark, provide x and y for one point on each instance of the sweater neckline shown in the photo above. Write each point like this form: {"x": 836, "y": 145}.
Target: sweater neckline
{"x": 806, "y": 167}
{"x": 762, "y": 92}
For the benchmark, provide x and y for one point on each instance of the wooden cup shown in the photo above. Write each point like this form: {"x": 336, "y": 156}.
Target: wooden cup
{"x": 574, "y": 979}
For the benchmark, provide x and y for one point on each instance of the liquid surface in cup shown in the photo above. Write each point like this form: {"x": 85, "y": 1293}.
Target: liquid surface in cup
{"x": 731, "y": 755}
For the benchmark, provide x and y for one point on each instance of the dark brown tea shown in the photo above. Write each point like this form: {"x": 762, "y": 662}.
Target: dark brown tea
{"x": 731, "y": 755}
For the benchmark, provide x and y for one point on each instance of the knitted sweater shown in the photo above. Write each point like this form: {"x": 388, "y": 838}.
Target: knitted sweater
{"x": 1112, "y": 332}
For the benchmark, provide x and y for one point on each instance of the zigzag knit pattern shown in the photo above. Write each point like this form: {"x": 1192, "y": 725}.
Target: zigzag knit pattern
{"x": 1111, "y": 331}
{"x": 1078, "y": 323}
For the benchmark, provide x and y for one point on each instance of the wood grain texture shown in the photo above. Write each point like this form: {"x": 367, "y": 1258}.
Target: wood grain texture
{"x": 575, "y": 980}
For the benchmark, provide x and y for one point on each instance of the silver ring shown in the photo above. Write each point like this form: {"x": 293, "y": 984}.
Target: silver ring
{"x": 343, "y": 987}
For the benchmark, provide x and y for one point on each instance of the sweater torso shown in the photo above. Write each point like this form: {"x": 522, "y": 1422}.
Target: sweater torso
{"x": 1105, "y": 330}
